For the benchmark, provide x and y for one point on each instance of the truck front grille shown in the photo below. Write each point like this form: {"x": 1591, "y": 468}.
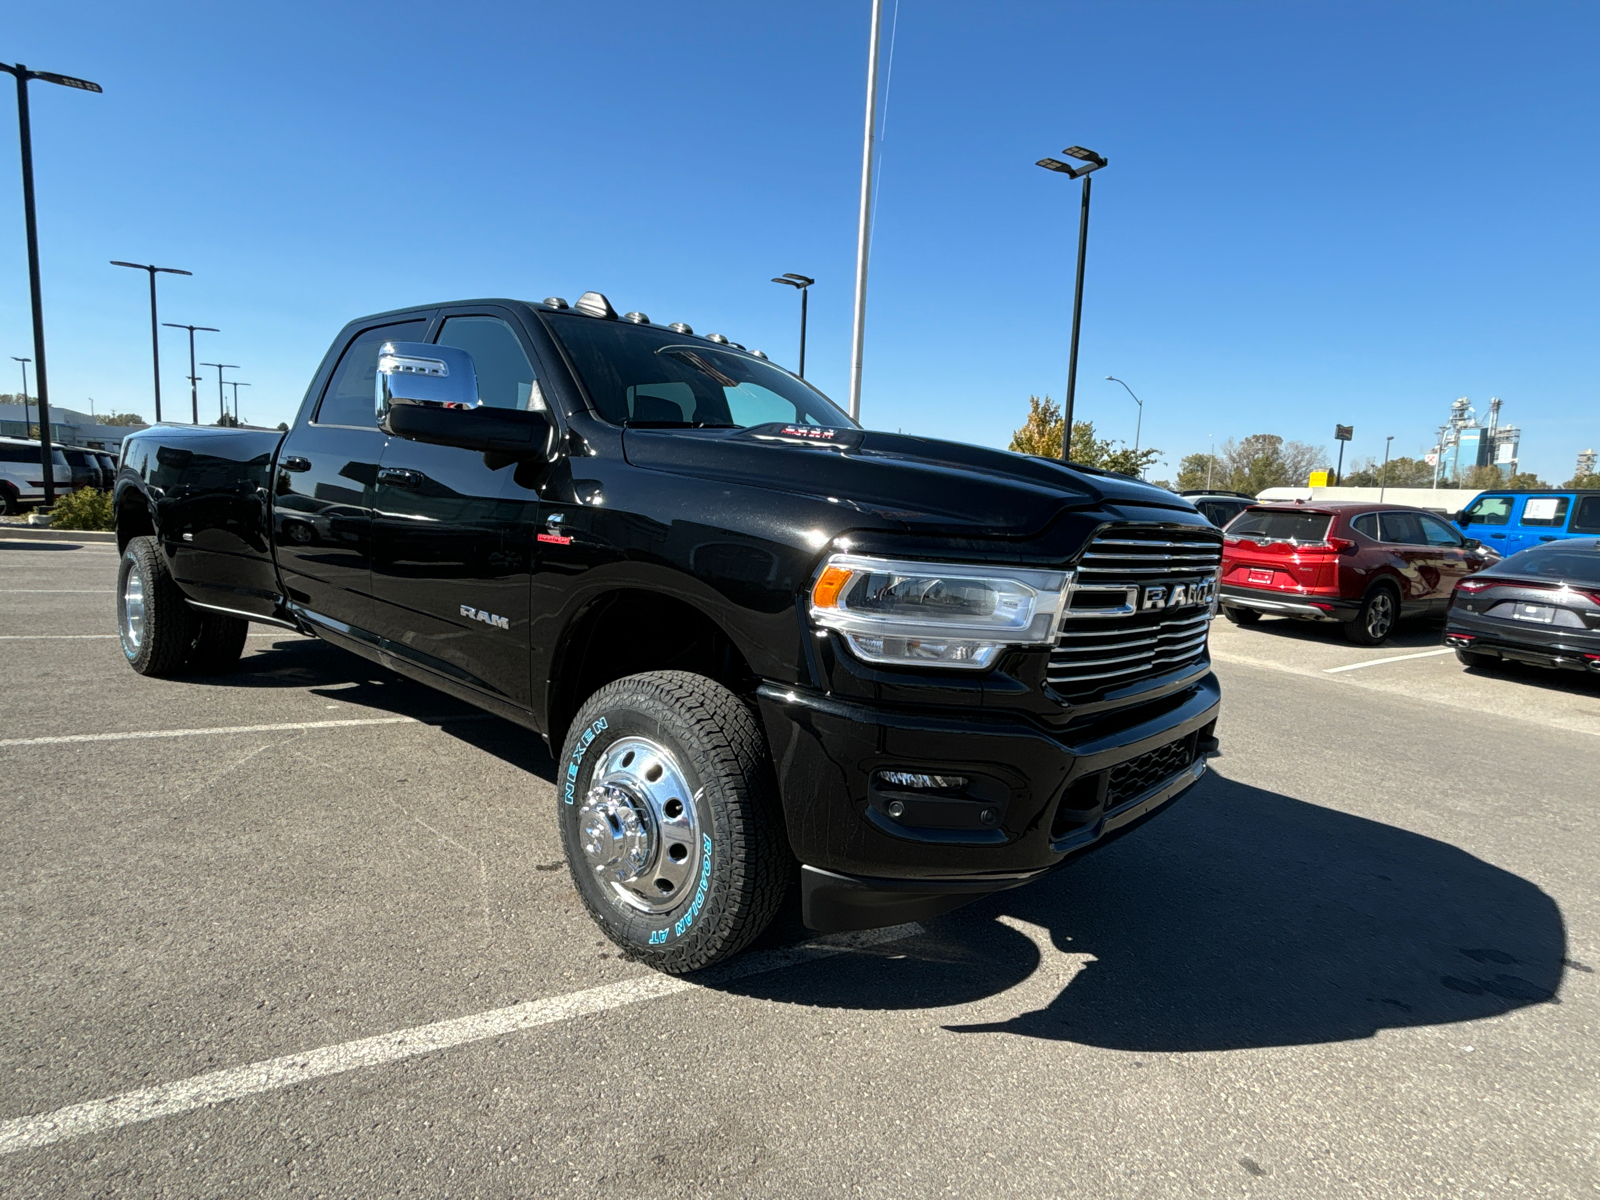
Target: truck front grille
{"x": 1129, "y": 641}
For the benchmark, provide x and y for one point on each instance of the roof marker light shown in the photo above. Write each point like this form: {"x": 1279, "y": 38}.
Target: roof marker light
{"x": 555, "y": 302}
{"x": 717, "y": 338}
{"x": 680, "y": 327}
{"x": 593, "y": 304}
{"x": 638, "y": 318}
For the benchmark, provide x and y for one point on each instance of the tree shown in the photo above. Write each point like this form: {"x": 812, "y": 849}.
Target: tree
{"x": 228, "y": 420}
{"x": 1197, "y": 471}
{"x": 1040, "y": 434}
{"x": 1583, "y": 481}
{"x": 1528, "y": 482}
{"x": 123, "y": 419}
{"x": 1402, "y": 472}
{"x": 1483, "y": 478}
{"x": 283, "y": 427}
{"x": 1260, "y": 461}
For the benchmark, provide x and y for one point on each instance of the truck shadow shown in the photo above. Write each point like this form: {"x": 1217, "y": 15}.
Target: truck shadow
{"x": 1241, "y": 919}
{"x": 1414, "y": 633}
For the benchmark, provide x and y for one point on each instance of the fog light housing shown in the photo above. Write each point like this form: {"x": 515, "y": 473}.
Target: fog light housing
{"x": 917, "y": 781}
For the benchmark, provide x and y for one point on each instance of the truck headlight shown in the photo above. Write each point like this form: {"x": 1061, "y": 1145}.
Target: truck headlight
{"x": 935, "y": 614}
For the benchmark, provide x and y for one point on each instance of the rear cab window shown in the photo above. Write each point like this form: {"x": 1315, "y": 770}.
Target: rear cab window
{"x": 1587, "y": 518}
{"x": 1547, "y": 512}
{"x": 1280, "y": 525}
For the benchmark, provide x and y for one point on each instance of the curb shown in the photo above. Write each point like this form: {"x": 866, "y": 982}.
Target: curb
{"x": 32, "y": 533}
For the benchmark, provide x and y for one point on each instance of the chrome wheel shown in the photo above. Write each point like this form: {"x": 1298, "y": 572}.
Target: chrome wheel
{"x": 1380, "y": 615}
{"x": 132, "y": 614}
{"x": 638, "y": 827}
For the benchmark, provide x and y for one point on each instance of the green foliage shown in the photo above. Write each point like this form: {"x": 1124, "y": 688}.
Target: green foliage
{"x": 1483, "y": 477}
{"x": 283, "y": 427}
{"x": 228, "y": 420}
{"x": 123, "y": 419}
{"x": 1527, "y": 482}
{"x": 1041, "y": 434}
{"x": 1260, "y": 461}
{"x": 1402, "y": 472}
{"x": 1583, "y": 481}
{"x": 85, "y": 508}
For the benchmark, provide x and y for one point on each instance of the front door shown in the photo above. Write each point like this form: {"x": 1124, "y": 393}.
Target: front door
{"x": 1454, "y": 562}
{"x": 323, "y": 493}
{"x": 450, "y": 576}
{"x": 1488, "y": 518}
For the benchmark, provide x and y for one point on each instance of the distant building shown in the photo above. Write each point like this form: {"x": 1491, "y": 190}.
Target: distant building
{"x": 68, "y": 427}
{"x": 1586, "y": 464}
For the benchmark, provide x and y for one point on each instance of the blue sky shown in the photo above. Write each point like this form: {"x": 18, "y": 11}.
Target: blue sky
{"x": 1313, "y": 213}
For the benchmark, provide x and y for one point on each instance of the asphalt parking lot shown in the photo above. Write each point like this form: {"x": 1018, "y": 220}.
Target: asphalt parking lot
{"x": 307, "y": 929}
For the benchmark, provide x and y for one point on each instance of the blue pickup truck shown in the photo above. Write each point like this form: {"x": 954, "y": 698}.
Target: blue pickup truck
{"x": 1509, "y": 521}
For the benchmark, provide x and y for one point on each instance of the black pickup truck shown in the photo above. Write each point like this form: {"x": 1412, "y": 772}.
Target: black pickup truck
{"x": 764, "y": 644}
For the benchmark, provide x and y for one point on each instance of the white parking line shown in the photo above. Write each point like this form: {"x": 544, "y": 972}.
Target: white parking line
{"x": 1378, "y": 662}
{"x": 147, "y": 734}
{"x": 58, "y": 591}
{"x": 251, "y": 1079}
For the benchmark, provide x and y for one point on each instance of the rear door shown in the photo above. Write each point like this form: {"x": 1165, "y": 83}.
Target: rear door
{"x": 326, "y": 478}
{"x": 1586, "y": 517}
{"x": 1419, "y": 562}
{"x": 1453, "y": 561}
{"x": 1541, "y": 519}
{"x": 450, "y": 581}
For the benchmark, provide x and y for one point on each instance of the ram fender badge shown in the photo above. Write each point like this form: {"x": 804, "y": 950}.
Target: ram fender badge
{"x": 488, "y": 618}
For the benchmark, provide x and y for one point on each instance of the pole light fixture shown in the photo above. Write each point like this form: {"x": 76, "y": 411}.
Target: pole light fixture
{"x": 800, "y": 283}
{"x": 222, "y": 407}
{"x": 27, "y": 423}
{"x": 236, "y": 385}
{"x": 25, "y": 135}
{"x": 1091, "y": 162}
{"x": 1139, "y": 424}
{"x": 194, "y": 380}
{"x": 1383, "y": 484}
{"x": 155, "y": 344}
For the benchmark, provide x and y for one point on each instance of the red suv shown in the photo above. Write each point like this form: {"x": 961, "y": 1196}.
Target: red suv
{"x": 1365, "y": 565}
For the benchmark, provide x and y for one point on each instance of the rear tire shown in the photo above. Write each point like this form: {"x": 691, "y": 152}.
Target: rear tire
{"x": 218, "y": 644}
{"x": 670, "y": 821}
{"x": 1471, "y": 658}
{"x": 156, "y": 626}
{"x": 1375, "y": 620}
{"x": 1241, "y": 616}
{"x": 10, "y": 501}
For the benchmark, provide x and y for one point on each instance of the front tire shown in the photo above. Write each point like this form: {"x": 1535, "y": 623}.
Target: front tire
{"x": 669, "y": 819}
{"x": 156, "y": 626}
{"x": 10, "y": 501}
{"x": 1375, "y": 619}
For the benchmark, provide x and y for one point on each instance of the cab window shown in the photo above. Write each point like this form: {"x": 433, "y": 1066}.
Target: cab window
{"x": 1366, "y": 525}
{"x": 1587, "y": 518}
{"x": 506, "y": 379}
{"x": 349, "y": 398}
{"x": 1545, "y": 511}
{"x": 1402, "y": 527}
{"x": 1488, "y": 510}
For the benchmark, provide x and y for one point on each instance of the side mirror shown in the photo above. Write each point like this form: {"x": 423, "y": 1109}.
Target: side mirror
{"x": 1473, "y": 544}
{"x": 430, "y": 394}
{"x": 1462, "y": 519}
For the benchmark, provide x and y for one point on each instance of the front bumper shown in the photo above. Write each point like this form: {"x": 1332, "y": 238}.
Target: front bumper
{"x": 1290, "y": 604}
{"x": 875, "y": 854}
{"x": 1540, "y": 646}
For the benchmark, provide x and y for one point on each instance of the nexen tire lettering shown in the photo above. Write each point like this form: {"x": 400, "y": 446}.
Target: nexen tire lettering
{"x": 569, "y": 790}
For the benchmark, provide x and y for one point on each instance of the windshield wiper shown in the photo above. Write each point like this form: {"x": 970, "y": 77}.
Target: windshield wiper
{"x": 631, "y": 423}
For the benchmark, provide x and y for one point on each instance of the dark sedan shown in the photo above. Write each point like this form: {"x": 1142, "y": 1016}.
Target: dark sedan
{"x": 1540, "y": 606}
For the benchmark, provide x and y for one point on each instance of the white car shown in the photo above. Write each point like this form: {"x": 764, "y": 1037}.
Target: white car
{"x": 22, "y": 474}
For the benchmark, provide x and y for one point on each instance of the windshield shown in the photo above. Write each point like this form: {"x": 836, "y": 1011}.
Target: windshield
{"x": 1280, "y": 525}
{"x": 642, "y": 376}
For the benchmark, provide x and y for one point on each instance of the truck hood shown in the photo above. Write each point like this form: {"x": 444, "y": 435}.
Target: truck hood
{"x": 921, "y": 484}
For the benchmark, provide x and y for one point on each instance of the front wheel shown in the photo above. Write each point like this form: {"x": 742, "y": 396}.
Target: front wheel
{"x": 1375, "y": 619}
{"x": 669, "y": 819}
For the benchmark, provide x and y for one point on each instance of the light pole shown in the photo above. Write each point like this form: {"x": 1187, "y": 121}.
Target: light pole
{"x": 1092, "y": 162}
{"x": 194, "y": 380}
{"x": 1211, "y": 457}
{"x": 800, "y": 283}
{"x": 1383, "y": 483}
{"x": 155, "y": 344}
{"x": 236, "y": 385}
{"x": 222, "y": 407}
{"x": 26, "y": 423}
{"x": 1139, "y": 424}
{"x": 25, "y": 133}
{"x": 858, "y": 334}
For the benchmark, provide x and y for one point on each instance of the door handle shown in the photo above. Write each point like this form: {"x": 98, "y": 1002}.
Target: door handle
{"x": 1547, "y": 537}
{"x": 400, "y": 477}
{"x": 295, "y": 463}
{"x": 1501, "y": 536}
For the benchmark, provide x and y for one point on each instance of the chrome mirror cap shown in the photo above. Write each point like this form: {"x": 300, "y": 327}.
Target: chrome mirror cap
{"x": 419, "y": 373}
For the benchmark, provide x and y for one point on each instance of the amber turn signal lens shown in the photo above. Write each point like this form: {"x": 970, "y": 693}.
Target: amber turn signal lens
{"x": 829, "y": 584}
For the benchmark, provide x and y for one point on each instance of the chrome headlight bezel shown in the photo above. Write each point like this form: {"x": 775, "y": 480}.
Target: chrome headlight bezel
{"x": 1027, "y": 611}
